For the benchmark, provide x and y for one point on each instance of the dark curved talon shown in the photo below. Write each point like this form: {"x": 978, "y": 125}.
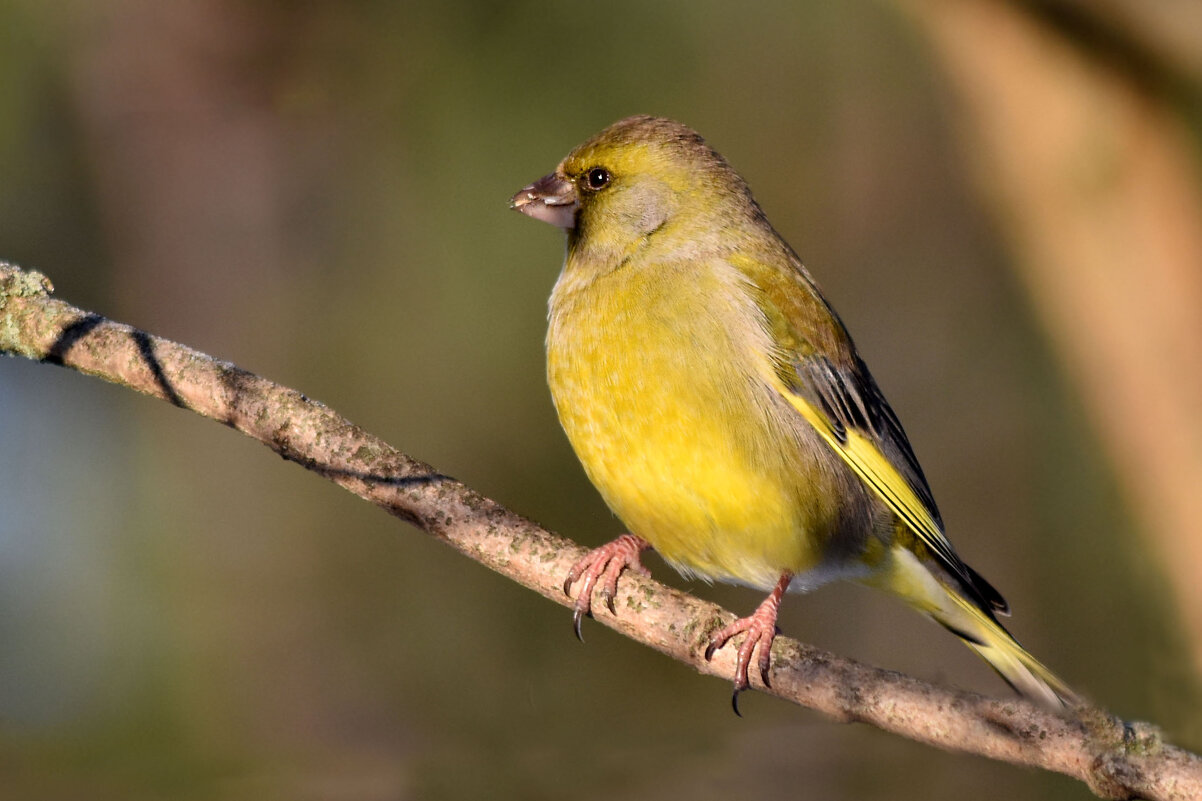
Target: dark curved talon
{"x": 575, "y": 573}
{"x": 584, "y": 603}
{"x": 709, "y": 649}
{"x": 577, "y": 616}
{"x": 734, "y": 702}
{"x": 608, "y": 597}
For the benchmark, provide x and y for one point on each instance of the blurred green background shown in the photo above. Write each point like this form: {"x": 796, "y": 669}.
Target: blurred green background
{"x": 317, "y": 191}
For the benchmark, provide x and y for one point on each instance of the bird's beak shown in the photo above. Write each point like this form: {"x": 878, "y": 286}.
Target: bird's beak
{"x": 551, "y": 199}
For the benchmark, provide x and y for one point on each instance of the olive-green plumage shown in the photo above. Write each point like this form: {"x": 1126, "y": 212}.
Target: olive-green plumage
{"x": 718, "y": 403}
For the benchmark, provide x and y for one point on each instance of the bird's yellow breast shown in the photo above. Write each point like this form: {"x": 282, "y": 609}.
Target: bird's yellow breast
{"x": 655, "y": 373}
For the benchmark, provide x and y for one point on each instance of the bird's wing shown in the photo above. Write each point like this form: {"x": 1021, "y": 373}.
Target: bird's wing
{"x": 817, "y": 371}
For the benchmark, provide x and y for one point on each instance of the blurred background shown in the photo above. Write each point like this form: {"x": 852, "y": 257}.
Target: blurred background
{"x": 1001, "y": 198}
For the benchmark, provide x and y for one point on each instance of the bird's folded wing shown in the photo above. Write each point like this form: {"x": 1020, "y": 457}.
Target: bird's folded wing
{"x": 849, "y": 412}
{"x": 856, "y": 426}
{"x": 814, "y": 367}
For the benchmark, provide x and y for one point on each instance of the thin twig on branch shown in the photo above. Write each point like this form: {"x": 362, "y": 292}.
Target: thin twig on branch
{"x": 1116, "y": 759}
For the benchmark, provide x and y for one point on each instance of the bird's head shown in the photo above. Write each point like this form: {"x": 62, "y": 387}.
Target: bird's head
{"x": 640, "y": 178}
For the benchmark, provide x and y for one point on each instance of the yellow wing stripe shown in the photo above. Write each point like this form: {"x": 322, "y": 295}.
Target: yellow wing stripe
{"x": 863, "y": 457}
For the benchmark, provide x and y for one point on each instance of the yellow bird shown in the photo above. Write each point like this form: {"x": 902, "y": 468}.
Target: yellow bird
{"x": 718, "y": 404}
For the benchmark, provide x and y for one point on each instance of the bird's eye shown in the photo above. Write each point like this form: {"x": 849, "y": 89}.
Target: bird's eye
{"x": 598, "y": 178}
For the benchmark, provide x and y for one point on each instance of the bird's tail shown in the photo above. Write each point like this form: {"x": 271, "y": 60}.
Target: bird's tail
{"x": 946, "y": 604}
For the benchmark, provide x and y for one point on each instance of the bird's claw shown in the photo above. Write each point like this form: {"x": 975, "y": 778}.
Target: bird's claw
{"x": 578, "y": 615}
{"x": 607, "y": 595}
{"x": 759, "y": 630}
{"x": 603, "y": 565}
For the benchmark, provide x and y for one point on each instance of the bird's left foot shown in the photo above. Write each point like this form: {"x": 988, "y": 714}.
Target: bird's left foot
{"x": 760, "y": 629}
{"x": 603, "y": 564}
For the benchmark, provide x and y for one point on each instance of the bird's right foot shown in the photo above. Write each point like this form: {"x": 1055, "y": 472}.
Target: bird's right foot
{"x": 759, "y": 630}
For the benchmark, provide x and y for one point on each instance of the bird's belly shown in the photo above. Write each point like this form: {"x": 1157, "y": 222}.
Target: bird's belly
{"x": 687, "y": 454}
{"x": 690, "y": 493}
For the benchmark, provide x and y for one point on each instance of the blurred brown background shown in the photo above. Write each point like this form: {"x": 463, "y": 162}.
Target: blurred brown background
{"x": 1001, "y": 198}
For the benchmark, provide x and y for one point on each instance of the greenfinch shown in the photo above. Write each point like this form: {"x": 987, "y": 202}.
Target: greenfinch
{"x": 718, "y": 404}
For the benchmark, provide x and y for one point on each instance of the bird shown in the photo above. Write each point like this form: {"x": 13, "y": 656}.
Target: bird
{"x": 718, "y": 404}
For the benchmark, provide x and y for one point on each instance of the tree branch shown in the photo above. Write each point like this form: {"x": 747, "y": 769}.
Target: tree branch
{"x": 1116, "y": 759}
